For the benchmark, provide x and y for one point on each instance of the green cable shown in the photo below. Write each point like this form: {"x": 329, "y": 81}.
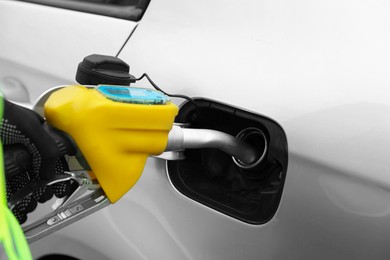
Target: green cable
{"x": 11, "y": 234}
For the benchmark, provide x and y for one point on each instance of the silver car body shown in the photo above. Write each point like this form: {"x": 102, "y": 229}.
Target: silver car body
{"x": 318, "y": 68}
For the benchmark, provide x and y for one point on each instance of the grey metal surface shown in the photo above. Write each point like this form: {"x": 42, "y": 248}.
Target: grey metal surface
{"x": 63, "y": 217}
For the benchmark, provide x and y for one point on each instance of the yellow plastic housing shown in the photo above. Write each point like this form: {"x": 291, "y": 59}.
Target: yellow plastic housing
{"x": 115, "y": 138}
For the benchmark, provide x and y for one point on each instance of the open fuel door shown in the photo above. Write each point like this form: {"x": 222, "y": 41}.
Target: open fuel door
{"x": 248, "y": 192}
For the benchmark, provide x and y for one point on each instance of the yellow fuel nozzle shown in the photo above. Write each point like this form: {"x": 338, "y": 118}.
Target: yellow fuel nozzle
{"x": 116, "y": 129}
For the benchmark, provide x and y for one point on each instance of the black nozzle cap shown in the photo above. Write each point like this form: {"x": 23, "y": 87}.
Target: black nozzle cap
{"x": 97, "y": 69}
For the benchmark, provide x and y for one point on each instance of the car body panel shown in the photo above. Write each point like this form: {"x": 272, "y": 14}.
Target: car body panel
{"x": 41, "y": 46}
{"x": 154, "y": 221}
{"x": 320, "y": 70}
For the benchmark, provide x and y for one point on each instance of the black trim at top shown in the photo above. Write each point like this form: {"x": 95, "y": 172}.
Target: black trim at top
{"x": 128, "y": 12}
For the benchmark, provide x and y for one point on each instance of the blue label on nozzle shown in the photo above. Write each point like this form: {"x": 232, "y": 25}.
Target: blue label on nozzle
{"x": 133, "y": 95}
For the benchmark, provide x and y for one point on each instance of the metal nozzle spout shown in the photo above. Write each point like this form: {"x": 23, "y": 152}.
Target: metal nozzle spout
{"x": 186, "y": 138}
